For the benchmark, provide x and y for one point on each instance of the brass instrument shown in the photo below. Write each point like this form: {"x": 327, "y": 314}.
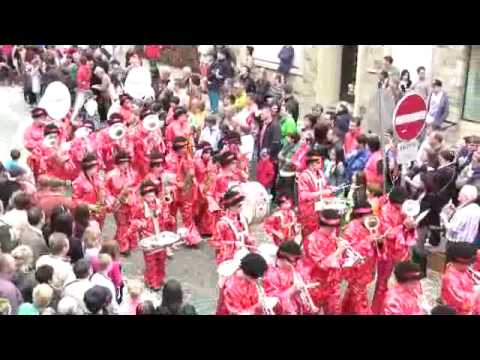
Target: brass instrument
{"x": 372, "y": 223}
{"x": 353, "y": 256}
{"x": 151, "y": 123}
{"x": 475, "y": 275}
{"x": 50, "y": 141}
{"x": 304, "y": 293}
{"x": 168, "y": 198}
{"x": 267, "y": 303}
{"x": 117, "y": 131}
{"x": 208, "y": 181}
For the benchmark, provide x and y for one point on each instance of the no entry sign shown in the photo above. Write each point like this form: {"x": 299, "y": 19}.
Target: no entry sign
{"x": 409, "y": 117}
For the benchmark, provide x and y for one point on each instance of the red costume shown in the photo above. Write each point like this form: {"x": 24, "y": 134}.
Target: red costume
{"x": 458, "y": 289}
{"x": 128, "y": 115}
{"x": 186, "y": 197}
{"x": 142, "y": 224}
{"x": 350, "y": 142}
{"x": 82, "y": 146}
{"x": 309, "y": 182}
{"x": 205, "y": 176}
{"x": 284, "y": 222}
{"x": 231, "y": 233}
{"x": 318, "y": 265}
{"x": 402, "y": 300}
{"x": 56, "y": 161}
{"x": 360, "y": 275}
{"x": 179, "y": 128}
{"x": 239, "y": 296}
{"x": 108, "y": 147}
{"x": 266, "y": 173}
{"x": 91, "y": 192}
{"x": 120, "y": 181}
{"x": 145, "y": 143}
{"x": 395, "y": 248}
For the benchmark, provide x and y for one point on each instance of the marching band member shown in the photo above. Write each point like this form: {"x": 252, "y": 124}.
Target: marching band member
{"x": 232, "y": 142}
{"x": 322, "y": 262}
{"x": 360, "y": 275}
{"x": 149, "y": 216}
{"x": 405, "y": 297}
{"x": 109, "y": 146}
{"x": 179, "y": 128}
{"x": 126, "y": 110}
{"x": 84, "y": 144}
{"x": 121, "y": 184}
{"x": 231, "y": 231}
{"x": 55, "y": 159}
{"x": 311, "y": 188}
{"x": 186, "y": 190}
{"x": 281, "y": 281}
{"x": 89, "y": 189}
{"x": 146, "y": 141}
{"x": 205, "y": 171}
{"x": 241, "y": 294}
{"x": 33, "y": 138}
{"x": 282, "y": 225}
{"x": 457, "y": 281}
{"x": 395, "y": 243}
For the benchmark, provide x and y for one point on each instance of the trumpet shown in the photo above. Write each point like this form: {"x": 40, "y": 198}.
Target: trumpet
{"x": 50, "y": 141}
{"x": 475, "y": 276}
{"x": 168, "y": 198}
{"x": 304, "y": 293}
{"x": 353, "y": 256}
{"x": 267, "y": 308}
{"x": 372, "y": 223}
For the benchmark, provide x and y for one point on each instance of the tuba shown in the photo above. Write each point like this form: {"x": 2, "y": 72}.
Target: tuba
{"x": 372, "y": 224}
{"x": 117, "y": 131}
{"x": 151, "y": 123}
{"x": 50, "y": 141}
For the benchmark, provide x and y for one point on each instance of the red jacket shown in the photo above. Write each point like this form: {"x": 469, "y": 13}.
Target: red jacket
{"x": 458, "y": 290}
{"x": 238, "y": 296}
{"x": 284, "y": 222}
{"x": 152, "y": 52}
{"x": 279, "y": 282}
{"x": 266, "y": 173}
{"x": 402, "y": 300}
{"x": 350, "y": 142}
{"x": 84, "y": 76}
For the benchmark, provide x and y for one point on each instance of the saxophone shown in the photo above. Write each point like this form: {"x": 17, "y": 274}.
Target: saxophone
{"x": 208, "y": 181}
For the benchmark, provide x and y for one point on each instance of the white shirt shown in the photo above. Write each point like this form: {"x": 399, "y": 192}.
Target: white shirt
{"x": 247, "y": 146}
{"x": 103, "y": 280}
{"x": 212, "y": 135}
{"x": 17, "y": 219}
{"x": 76, "y": 290}
{"x": 62, "y": 269}
{"x": 463, "y": 227}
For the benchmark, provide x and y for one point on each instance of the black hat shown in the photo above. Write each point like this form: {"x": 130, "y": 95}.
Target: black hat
{"x": 443, "y": 310}
{"x": 461, "y": 252}
{"x": 281, "y": 198}
{"x": 205, "y": 147}
{"x": 156, "y": 158}
{"x": 398, "y": 194}
{"x": 115, "y": 118}
{"x": 179, "y": 111}
{"x": 89, "y": 124}
{"x": 289, "y": 248}
{"x": 313, "y": 156}
{"x": 124, "y": 97}
{"x": 89, "y": 161}
{"x": 407, "y": 271}
{"x": 146, "y": 112}
{"x": 226, "y": 158}
{"x": 122, "y": 156}
{"x": 330, "y": 217}
{"x": 362, "y": 207}
{"x": 232, "y": 138}
{"x": 39, "y": 112}
{"x": 254, "y": 265}
{"x": 231, "y": 198}
{"x": 50, "y": 129}
{"x": 148, "y": 186}
{"x": 179, "y": 143}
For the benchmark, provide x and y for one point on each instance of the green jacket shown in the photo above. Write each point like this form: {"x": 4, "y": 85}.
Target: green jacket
{"x": 287, "y": 125}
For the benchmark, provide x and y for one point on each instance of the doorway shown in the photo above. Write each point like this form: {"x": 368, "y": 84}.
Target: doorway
{"x": 349, "y": 71}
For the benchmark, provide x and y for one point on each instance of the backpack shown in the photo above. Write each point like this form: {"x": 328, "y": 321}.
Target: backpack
{"x": 7, "y": 238}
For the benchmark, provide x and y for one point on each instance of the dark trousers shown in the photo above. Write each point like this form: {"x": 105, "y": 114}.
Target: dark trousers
{"x": 103, "y": 107}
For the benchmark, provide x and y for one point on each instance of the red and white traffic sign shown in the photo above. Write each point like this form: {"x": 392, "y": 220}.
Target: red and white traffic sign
{"x": 409, "y": 117}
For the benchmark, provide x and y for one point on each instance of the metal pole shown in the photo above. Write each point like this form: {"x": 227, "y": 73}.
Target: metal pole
{"x": 382, "y": 137}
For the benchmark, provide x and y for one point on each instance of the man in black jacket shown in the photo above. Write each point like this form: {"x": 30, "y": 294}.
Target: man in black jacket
{"x": 270, "y": 134}
{"x": 291, "y": 104}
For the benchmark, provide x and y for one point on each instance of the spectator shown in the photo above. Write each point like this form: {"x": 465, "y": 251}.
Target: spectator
{"x": 77, "y": 288}
{"x": 422, "y": 85}
{"x": 172, "y": 301}
{"x": 389, "y": 68}
{"x": 64, "y": 224}
{"x": 262, "y": 87}
{"x": 145, "y": 308}
{"x": 321, "y": 140}
{"x": 92, "y": 242}
{"x": 266, "y": 170}
{"x": 218, "y": 72}
{"x": 240, "y": 96}
{"x": 357, "y": 160}
{"x": 246, "y": 57}
{"x": 355, "y": 129}
{"x": 286, "y": 174}
{"x": 44, "y": 274}
{"x": 335, "y": 172}
{"x": 97, "y": 300}
{"x": 24, "y": 277}
{"x": 309, "y": 122}
{"x": 32, "y": 235}
{"x": 42, "y": 298}
{"x": 81, "y": 220}
{"x": 17, "y": 218}
{"x": 103, "y": 92}
{"x": 464, "y": 224}
{"x": 342, "y": 121}
{"x": 270, "y": 134}
{"x": 374, "y": 166}
{"x": 8, "y": 290}
{"x": 130, "y": 304}
{"x": 51, "y": 195}
{"x": 246, "y": 79}
{"x": 287, "y": 124}
{"x": 405, "y": 82}
{"x": 470, "y": 175}
{"x": 69, "y": 306}
{"x": 437, "y": 105}
{"x": 62, "y": 270}
{"x": 433, "y": 143}
{"x": 276, "y": 90}
{"x": 8, "y": 187}
{"x": 290, "y": 103}
{"x": 115, "y": 273}
{"x": 286, "y": 56}
{"x": 47, "y": 229}
{"x": 13, "y": 162}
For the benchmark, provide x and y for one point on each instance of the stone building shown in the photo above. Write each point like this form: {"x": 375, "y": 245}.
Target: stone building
{"x": 322, "y": 74}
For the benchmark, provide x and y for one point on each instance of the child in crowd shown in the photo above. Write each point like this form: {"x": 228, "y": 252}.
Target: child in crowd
{"x": 115, "y": 273}
{"x": 266, "y": 170}
{"x": 92, "y": 241}
{"x": 130, "y": 304}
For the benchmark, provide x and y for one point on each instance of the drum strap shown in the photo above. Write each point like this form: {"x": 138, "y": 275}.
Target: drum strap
{"x": 317, "y": 181}
{"x": 239, "y": 236}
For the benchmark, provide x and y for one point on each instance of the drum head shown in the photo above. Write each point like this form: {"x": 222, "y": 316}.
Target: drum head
{"x": 138, "y": 83}
{"x": 268, "y": 251}
{"x": 228, "y": 268}
{"x": 240, "y": 254}
{"x": 257, "y": 201}
{"x": 56, "y": 100}
{"x": 91, "y": 107}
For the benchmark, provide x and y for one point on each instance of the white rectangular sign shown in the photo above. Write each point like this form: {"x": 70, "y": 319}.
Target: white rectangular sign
{"x": 407, "y": 151}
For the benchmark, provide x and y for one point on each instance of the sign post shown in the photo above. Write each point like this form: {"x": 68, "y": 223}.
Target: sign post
{"x": 408, "y": 123}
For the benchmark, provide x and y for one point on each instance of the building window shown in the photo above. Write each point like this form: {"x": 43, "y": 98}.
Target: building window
{"x": 471, "y": 108}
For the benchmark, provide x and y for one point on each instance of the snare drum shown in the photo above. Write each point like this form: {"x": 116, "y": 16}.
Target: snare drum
{"x": 257, "y": 201}
{"x": 268, "y": 251}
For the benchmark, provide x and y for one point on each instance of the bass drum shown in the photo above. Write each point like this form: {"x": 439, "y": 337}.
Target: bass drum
{"x": 257, "y": 201}
{"x": 56, "y": 100}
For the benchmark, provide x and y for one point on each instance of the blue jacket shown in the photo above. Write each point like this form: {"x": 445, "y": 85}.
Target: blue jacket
{"x": 356, "y": 162}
